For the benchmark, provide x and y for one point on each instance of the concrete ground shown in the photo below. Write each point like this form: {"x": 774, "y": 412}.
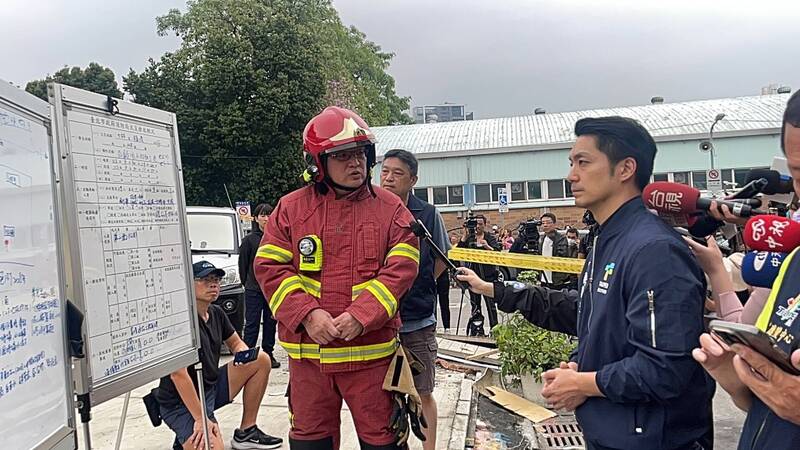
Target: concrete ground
{"x": 452, "y": 394}
{"x": 273, "y": 417}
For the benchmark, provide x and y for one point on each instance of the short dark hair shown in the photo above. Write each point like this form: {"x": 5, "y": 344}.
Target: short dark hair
{"x": 572, "y": 230}
{"x": 790, "y": 116}
{"x": 261, "y": 208}
{"x": 407, "y": 157}
{"x": 619, "y": 138}
{"x": 550, "y": 215}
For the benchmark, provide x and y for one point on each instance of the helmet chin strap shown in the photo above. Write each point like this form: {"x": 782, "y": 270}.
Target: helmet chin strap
{"x": 336, "y": 185}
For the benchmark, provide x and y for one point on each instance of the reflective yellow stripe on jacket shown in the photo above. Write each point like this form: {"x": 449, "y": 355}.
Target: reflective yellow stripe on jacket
{"x": 406, "y": 250}
{"x": 291, "y": 284}
{"x": 380, "y": 291}
{"x": 287, "y": 286}
{"x": 274, "y": 253}
{"x": 359, "y": 353}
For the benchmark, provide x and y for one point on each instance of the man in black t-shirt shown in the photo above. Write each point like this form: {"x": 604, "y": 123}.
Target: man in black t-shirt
{"x": 177, "y": 393}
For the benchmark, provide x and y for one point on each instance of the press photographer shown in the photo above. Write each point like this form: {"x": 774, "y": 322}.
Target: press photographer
{"x": 475, "y": 237}
{"x": 527, "y": 240}
{"x": 547, "y": 243}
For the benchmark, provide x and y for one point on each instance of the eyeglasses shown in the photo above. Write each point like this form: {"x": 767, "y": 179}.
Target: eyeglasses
{"x": 209, "y": 280}
{"x": 345, "y": 156}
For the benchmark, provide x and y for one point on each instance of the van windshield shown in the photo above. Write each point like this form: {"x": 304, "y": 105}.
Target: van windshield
{"x": 213, "y": 233}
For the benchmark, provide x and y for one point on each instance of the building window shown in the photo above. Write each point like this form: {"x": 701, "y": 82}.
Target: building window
{"x": 681, "y": 177}
{"x": 727, "y": 176}
{"x": 534, "y": 190}
{"x": 455, "y": 195}
{"x": 740, "y": 177}
{"x": 699, "y": 180}
{"x": 440, "y": 196}
{"x": 422, "y": 194}
{"x": 660, "y": 177}
{"x": 518, "y": 191}
{"x": 555, "y": 188}
{"x": 482, "y": 193}
{"x": 495, "y": 187}
{"x": 568, "y": 188}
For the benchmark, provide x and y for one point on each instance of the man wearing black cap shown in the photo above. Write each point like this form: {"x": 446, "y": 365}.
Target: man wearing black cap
{"x": 177, "y": 393}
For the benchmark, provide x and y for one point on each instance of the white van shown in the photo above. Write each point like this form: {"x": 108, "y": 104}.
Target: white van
{"x": 215, "y": 235}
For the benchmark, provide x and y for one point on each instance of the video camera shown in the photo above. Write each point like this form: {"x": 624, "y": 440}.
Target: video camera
{"x": 529, "y": 231}
{"x": 471, "y": 224}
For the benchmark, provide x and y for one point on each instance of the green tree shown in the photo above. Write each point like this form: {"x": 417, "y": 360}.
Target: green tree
{"x": 247, "y": 77}
{"x": 94, "y": 77}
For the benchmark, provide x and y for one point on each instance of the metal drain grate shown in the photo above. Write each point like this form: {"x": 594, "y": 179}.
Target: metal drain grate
{"x": 562, "y": 433}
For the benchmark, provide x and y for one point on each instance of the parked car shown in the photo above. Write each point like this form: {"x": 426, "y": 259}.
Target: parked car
{"x": 215, "y": 235}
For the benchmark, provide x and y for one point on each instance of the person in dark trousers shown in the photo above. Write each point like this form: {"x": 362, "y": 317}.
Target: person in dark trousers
{"x": 632, "y": 381}
{"x": 483, "y": 241}
{"x": 256, "y": 309}
{"x": 177, "y": 393}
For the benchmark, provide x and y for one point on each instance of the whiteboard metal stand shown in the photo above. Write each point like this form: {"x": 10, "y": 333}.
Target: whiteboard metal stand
{"x": 35, "y": 111}
{"x": 72, "y": 108}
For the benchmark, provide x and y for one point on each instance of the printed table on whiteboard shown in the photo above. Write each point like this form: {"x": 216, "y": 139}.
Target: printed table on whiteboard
{"x": 128, "y": 218}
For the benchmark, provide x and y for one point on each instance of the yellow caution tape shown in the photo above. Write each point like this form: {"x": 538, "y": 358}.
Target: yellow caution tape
{"x": 519, "y": 260}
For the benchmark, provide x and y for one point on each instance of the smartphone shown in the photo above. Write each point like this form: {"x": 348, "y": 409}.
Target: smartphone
{"x": 684, "y": 232}
{"x": 245, "y": 356}
{"x": 739, "y": 333}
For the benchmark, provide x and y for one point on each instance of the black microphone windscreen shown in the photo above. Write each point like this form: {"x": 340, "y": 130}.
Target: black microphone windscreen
{"x": 705, "y": 225}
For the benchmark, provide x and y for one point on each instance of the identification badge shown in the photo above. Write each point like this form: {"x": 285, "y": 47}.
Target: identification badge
{"x": 310, "y": 248}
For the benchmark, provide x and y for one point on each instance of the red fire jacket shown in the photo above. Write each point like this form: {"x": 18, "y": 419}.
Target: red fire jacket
{"x": 370, "y": 259}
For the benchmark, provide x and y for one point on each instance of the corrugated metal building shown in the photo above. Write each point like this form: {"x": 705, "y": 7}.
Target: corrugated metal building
{"x": 463, "y": 163}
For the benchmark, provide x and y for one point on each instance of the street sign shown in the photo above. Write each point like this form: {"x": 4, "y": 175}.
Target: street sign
{"x": 714, "y": 180}
{"x": 243, "y": 209}
{"x": 502, "y": 198}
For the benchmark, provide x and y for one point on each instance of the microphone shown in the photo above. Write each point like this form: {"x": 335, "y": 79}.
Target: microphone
{"x": 751, "y": 189}
{"x": 760, "y": 269}
{"x": 706, "y": 225}
{"x": 676, "y": 198}
{"x": 772, "y": 234}
{"x": 776, "y": 183}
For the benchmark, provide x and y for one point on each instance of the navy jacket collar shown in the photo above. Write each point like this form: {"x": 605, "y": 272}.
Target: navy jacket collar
{"x": 414, "y": 204}
{"x": 619, "y": 219}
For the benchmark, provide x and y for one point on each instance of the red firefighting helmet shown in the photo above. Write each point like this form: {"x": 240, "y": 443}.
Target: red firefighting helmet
{"x": 333, "y": 130}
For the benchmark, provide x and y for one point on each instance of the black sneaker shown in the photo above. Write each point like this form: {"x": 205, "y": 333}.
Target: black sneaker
{"x": 275, "y": 363}
{"x": 253, "y": 438}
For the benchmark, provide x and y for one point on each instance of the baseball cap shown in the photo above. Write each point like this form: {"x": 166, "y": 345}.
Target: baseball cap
{"x": 204, "y": 268}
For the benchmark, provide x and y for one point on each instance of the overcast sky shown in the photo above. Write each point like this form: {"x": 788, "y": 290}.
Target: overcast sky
{"x": 500, "y": 58}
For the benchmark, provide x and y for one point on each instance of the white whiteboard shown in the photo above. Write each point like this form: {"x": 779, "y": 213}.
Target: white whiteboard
{"x": 35, "y": 384}
{"x": 126, "y": 223}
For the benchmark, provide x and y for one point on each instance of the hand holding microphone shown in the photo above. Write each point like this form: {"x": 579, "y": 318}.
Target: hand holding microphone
{"x": 679, "y": 199}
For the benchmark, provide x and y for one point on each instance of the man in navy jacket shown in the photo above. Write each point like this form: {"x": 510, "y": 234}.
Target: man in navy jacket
{"x": 639, "y": 311}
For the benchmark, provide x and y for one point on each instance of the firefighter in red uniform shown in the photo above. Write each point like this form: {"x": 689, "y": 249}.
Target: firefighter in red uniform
{"x": 337, "y": 256}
